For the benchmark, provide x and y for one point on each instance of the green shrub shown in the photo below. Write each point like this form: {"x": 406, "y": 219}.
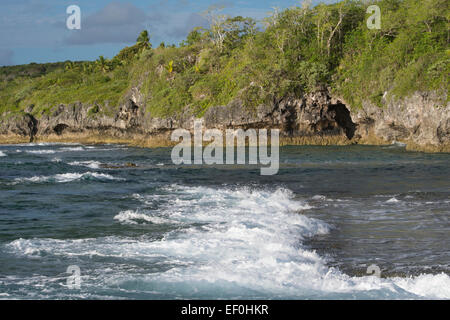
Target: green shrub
{"x": 297, "y": 52}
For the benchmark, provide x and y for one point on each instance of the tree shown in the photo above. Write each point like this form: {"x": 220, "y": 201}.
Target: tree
{"x": 216, "y": 22}
{"x": 144, "y": 39}
{"x": 329, "y": 20}
{"x": 87, "y": 67}
{"x": 336, "y": 27}
{"x": 428, "y": 12}
{"x": 238, "y": 29}
{"x": 70, "y": 66}
{"x": 127, "y": 54}
{"x": 102, "y": 64}
{"x": 227, "y": 31}
{"x": 197, "y": 35}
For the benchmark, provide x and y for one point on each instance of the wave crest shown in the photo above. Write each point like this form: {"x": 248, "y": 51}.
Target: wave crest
{"x": 68, "y": 177}
{"x": 134, "y": 217}
{"x": 241, "y": 242}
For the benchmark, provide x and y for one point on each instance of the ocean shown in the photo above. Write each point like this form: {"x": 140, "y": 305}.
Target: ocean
{"x": 137, "y": 226}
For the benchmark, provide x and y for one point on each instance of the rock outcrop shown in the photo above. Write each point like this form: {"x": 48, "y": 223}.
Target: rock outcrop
{"x": 313, "y": 115}
{"x": 19, "y": 124}
{"x": 419, "y": 121}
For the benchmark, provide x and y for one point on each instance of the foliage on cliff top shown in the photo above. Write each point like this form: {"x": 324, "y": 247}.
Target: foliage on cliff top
{"x": 291, "y": 52}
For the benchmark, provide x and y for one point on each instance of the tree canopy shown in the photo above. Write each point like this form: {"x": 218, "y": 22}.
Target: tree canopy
{"x": 288, "y": 54}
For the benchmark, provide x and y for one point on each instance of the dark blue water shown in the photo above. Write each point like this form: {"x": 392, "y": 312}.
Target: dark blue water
{"x": 138, "y": 226}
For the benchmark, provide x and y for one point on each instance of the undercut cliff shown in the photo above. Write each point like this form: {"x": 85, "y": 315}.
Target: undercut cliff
{"x": 420, "y": 121}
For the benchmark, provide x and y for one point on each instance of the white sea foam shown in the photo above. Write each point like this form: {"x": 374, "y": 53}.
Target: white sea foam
{"x": 133, "y": 217}
{"x": 67, "y": 177}
{"x": 90, "y": 164}
{"x": 240, "y": 242}
{"x": 398, "y": 144}
{"x": 393, "y": 200}
{"x": 72, "y": 149}
{"x": 40, "y": 144}
{"x": 40, "y": 151}
{"x": 68, "y": 148}
{"x": 435, "y": 286}
{"x": 2, "y": 154}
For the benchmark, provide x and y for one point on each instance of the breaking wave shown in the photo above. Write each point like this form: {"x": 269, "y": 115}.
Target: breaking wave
{"x": 41, "y": 151}
{"x": 235, "y": 242}
{"x": 89, "y": 164}
{"x": 68, "y": 177}
{"x": 133, "y": 217}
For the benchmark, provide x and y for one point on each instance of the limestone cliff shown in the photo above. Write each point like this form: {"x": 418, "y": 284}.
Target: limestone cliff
{"x": 420, "y": 121}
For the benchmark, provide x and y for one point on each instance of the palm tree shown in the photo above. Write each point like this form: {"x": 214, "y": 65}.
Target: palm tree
{"x": 69, "y": 66}
{"x": 144, "y": 39}
{"x": 87, "y": 67}
{"x": 102, "y": 64}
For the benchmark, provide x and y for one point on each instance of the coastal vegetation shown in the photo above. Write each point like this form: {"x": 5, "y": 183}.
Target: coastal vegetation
{"x": 291, "y": 52}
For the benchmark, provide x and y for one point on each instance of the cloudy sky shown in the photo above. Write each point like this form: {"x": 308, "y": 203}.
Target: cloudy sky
{"x": 35, "y": 30}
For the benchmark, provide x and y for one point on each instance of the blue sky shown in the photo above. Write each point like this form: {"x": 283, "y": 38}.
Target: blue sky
{"x": 35, "y": 30}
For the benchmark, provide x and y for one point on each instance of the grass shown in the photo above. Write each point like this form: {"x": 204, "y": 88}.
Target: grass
{"x": 286, "y": 59}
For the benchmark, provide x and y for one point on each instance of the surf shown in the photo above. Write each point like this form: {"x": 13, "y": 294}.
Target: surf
{"x": 237, "y": 241}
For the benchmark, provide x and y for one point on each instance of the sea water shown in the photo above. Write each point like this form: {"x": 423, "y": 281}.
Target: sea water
{"x": 161, "y": 231}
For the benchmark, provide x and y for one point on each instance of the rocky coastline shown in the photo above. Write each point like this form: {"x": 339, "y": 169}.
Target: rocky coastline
{"x": 420, "y": 121}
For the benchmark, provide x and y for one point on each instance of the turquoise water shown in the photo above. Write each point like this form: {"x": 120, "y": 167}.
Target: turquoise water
{"x": 160, "y": 231}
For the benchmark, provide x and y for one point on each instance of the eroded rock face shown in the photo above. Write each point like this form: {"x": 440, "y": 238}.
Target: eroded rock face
{"x": 72, "y": 118}
{"x": 314, "y": 114}
{"x": 320, "y": 114}
{"x": 418, "y": 119}
{"x": 22, "y": 124}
